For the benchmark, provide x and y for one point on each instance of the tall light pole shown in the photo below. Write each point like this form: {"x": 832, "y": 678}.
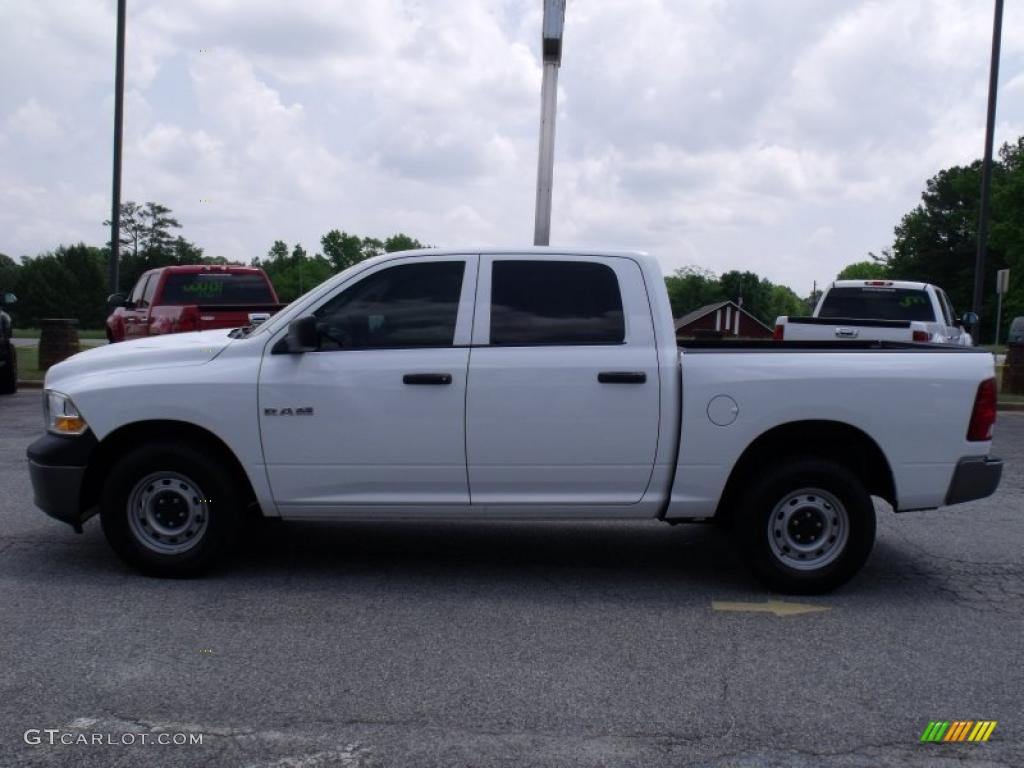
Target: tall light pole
{"x": 115, "y": 204}
{"x": 986, "y": 168}
{"x": 551, "y": 51}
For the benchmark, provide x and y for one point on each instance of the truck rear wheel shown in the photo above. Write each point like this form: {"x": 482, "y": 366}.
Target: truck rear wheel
{"x": 169, "y": 510}
{"x": 9, "y": 373}
{"x": 806, "y": 526}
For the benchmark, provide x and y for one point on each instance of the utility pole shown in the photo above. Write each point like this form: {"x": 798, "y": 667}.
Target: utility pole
{"x": 1002, "y": 286}
{"x": 115, "y": 204}
{"x": 986, "y": 168}
{"x": 551, "y": 52}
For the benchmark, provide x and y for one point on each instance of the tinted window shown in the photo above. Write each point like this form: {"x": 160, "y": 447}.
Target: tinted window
{"x": 555, "y": 302}
{"x": 411, "y": 305}
{"x": 149, "y": 290}
{"x": 140, "y": 286}
{"x": 878, "y": 304}
{"x": 206, "y": 288}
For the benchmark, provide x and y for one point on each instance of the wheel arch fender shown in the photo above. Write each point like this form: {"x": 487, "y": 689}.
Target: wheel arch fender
{"x": 841, "y": 442}
{"x": 129, "y": 436}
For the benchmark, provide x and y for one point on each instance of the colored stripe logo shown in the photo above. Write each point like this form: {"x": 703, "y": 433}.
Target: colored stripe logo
{"x": 959, "y": 730}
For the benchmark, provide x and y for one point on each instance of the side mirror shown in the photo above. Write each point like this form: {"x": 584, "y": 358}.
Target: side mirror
{"x": 303, "y": 335}
{"x": 116, "y": 300}
{"x": 7, "y": 299}
{"x": 969, "y": 319}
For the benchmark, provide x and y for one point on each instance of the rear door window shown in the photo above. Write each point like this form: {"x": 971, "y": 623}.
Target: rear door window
{"x": 555, "y": 302}
{"x": 878, "y": 303}
{"x": 206, "y": 288}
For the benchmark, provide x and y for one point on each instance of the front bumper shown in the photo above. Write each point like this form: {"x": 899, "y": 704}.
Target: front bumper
{"x": 56, "y": 466}
{"x": 974, "y": 478}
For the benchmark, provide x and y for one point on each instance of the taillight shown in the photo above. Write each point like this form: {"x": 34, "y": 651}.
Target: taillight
{"x": 983, "y": 417}
{"x": 780, "y": 332}
{"x": 188, "y": 320}
{"x": 922, "y": 336}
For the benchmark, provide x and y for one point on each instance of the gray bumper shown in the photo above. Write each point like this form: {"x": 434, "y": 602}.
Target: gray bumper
{"x": 56, "y": 466}
{"x": 57, "y": 491}
{"x": 974, "y": 478}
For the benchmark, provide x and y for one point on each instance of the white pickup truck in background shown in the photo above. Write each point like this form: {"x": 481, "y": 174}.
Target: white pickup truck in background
{"x": 880, "y": 310}
{"x": 496, "y": 384}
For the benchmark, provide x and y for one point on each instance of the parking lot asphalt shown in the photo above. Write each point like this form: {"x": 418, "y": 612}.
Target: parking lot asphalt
{"x": 527, "y": 644}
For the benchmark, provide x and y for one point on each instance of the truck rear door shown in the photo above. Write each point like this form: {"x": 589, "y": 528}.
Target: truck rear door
{"x": 562, "y": 401}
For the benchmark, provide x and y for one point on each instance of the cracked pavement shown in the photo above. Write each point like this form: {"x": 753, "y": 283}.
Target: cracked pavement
{"x": 526, "y": 644}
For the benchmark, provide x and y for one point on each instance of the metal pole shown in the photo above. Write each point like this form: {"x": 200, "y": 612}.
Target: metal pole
{"x": 986, "y": 168}
{"x": 546, "y": 158}
{"x": 999, "y": 315}
{"x": 115, "y": 204}
{"x": 551, "y": 55}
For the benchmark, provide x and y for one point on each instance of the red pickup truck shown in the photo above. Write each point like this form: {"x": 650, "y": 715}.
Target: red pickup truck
{"x": 191, "y": 298}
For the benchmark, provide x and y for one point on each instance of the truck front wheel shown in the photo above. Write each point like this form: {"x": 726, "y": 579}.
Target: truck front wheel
{"x": 169, "y": 510}
{"x": 806, "y": 526}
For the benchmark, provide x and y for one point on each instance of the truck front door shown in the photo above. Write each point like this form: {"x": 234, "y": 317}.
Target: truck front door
{"x": 136, "y": 314}
{"x": 375, "y": 419}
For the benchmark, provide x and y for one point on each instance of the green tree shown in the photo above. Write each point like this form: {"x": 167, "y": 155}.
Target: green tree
{"x": 130, "y": 223}
{"x": 936, "y": 242}
{"x": 751, "y": 292}
{"x": 342, "y": 249}
{"x": 864, "y": 270}
{"x": 157, "y": 224}
{"x": 782, "y": 301}
{"x": 1008, "y": 225}
{"x": 69, "y": 282}
{"x": 8, "y": 273}
{"x": 690, "y": 288}
{"x": 401, "y": 242}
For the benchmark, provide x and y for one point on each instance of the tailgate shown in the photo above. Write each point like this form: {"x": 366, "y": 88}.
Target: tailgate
{"x": 233, "y": 316}
{"x": 849, "y": 328}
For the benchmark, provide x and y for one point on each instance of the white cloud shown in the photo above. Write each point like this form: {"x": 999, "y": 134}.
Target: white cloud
{"x": 784, "y": 136}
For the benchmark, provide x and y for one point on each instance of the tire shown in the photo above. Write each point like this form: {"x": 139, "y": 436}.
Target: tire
{"x": 806, "y": 526}
{"x": 9, "y": 374}
{"x": 187, "y": 511}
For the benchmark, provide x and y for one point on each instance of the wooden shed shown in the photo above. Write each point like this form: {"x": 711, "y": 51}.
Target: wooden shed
{"x": 719, "y": 320}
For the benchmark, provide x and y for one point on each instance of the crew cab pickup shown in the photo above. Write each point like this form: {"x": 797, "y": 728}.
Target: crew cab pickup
{"x": 880, "y": 310}
{"x": 496, "y": 384}
{"x": 191, "y": 298}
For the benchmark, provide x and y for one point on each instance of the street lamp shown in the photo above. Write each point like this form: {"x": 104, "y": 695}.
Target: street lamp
{"x": 551, "y": 51}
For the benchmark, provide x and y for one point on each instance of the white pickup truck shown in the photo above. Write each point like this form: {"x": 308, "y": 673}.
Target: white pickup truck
{"x": 509, "y": 384}
{"x": 880, "y": 310}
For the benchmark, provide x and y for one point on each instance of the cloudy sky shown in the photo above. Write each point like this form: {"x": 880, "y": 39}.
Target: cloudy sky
{"x": 781, "y": 136}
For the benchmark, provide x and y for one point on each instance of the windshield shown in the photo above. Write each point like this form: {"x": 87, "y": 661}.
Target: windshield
{"x": 205, "y": 288}
{"x": 871, "y": 303}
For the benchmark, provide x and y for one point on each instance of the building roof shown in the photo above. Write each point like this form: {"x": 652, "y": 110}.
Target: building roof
{"x": 707, "y": 309}
{"x": 699, "y": 313}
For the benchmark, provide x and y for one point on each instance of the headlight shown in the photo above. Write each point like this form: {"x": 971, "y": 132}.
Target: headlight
{"x": 62, "y": 418}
